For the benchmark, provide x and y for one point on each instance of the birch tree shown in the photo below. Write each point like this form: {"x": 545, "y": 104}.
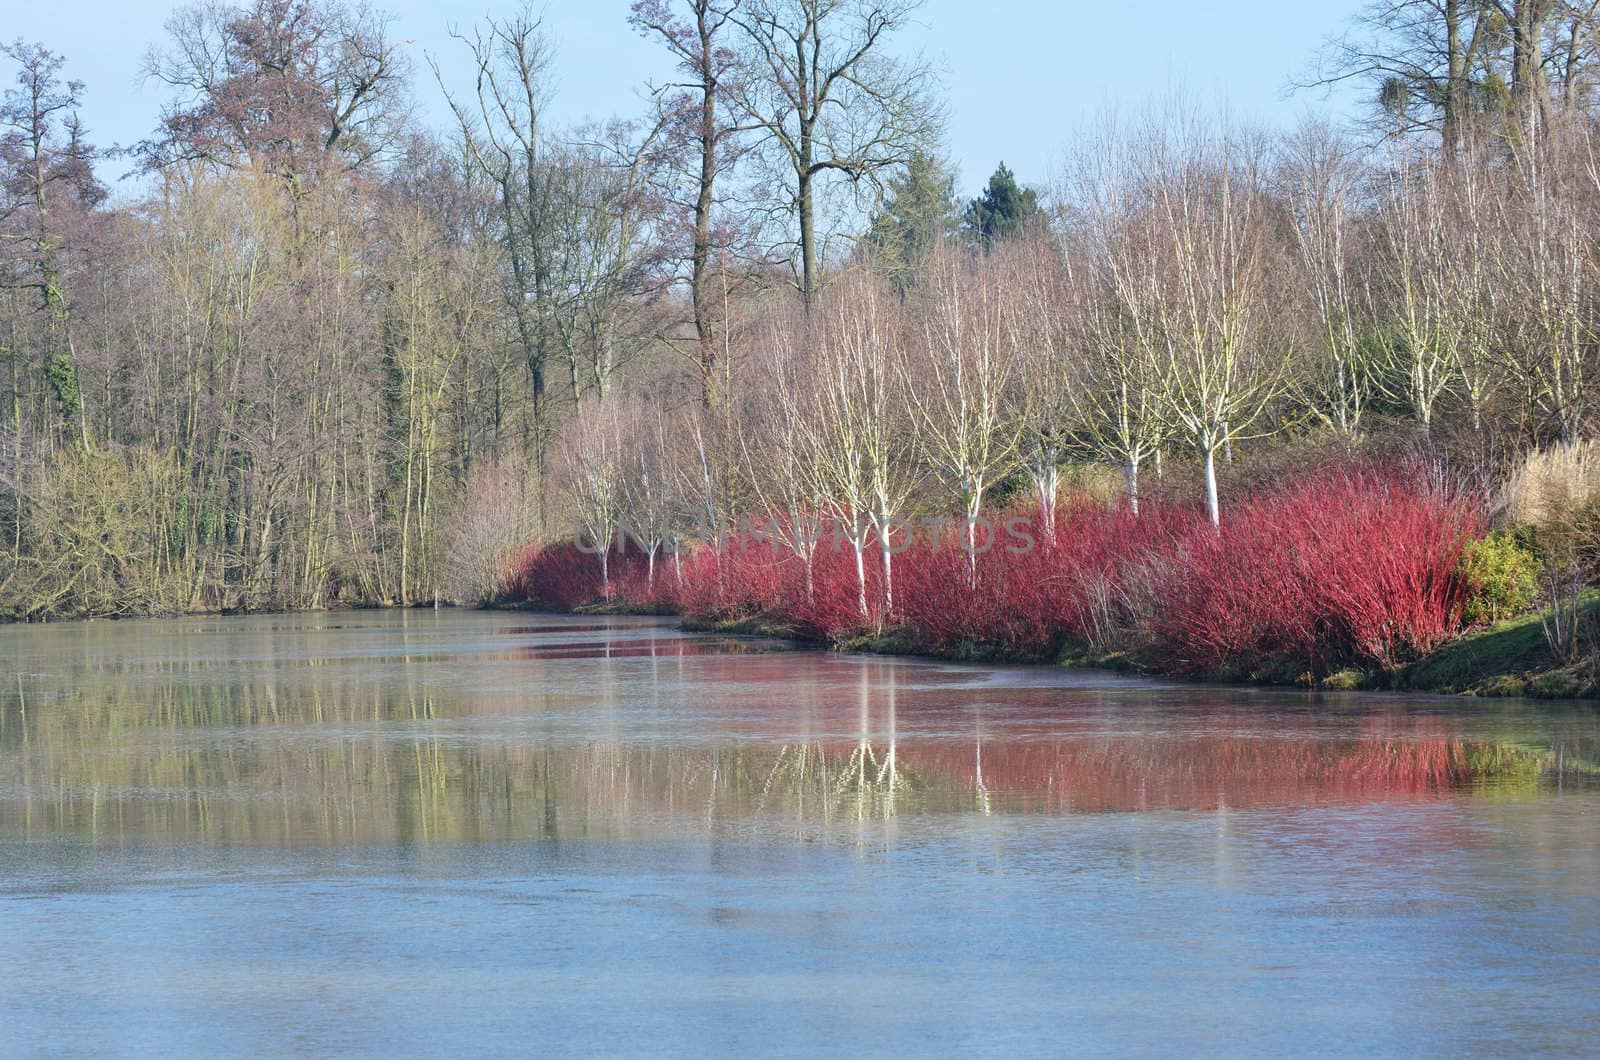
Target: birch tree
{"x": 1113, "y": 282}
{"x": 1217, "y": 363}
{"x": 962, "y": 380}
{"x": 1546, "y": 268}
{"x": 591, "y": 461}
{"x": 1038, "y": 315}
{"x": 648, "y": 485}
{"x": 1421, "y": 356}
{"x": 1469, "y": 288}
{"x": 858, "y": 427}
{"x": 786, "y": 476}
{"x": 1321, "y": 187}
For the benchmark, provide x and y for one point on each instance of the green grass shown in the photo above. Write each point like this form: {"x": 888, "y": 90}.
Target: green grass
{"x": 1509, "y": 658}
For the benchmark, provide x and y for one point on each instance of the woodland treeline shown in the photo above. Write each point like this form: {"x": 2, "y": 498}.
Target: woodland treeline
{"x": 322, "y": 353}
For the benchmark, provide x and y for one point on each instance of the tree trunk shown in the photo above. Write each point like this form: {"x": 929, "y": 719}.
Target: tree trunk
{"x": 1212, "y": 506}
{"x": 972, "y": 544}
{"x": 1455, "y": 100}
{"x": 861, "y": 576}
{"x": 1528, "y": 88}
{"x": 888, "y": 575}
{"x": 1046, "y": 484}
{"x": 808, "y": 241}
{"x": 699, "y": 280}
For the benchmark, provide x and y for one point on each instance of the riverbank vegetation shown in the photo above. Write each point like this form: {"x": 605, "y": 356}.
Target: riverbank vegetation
{"x": 1310, "y": 404}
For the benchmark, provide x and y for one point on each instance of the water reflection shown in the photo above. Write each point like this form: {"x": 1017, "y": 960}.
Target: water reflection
{"x": 373, "y": 729}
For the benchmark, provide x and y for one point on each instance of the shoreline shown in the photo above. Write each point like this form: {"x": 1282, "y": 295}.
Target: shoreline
{"x": 1506, "y": 660}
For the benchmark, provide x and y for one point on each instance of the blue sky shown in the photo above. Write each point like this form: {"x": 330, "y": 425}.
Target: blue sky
{"x": 1022, "y": 75}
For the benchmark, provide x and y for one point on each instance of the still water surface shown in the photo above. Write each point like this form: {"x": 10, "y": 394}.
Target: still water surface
{"x": 419, "y": 833}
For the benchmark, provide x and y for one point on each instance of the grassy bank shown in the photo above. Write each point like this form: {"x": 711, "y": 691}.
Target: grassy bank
{"x": 1510, "y": 658}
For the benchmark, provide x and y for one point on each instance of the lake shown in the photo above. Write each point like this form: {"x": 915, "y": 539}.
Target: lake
{"x": 429, "y": 832}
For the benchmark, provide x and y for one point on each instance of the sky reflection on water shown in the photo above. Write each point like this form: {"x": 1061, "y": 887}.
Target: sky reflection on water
{"x": 415, "y": 832}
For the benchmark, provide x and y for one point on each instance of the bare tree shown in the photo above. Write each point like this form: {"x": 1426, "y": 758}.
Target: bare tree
{"x": 1469, "y": 290}
{"x": 592, "y": 459}
{"x": 495, "y": 516}
{"x": 819, "y": 87}
{"x": 1112, "y": 327}
{"x": 1526, "y": 22}
{"x": 703, "y": 143}
{"x": 858, "y": 423}
{"x": 284, "y": 84}
{"x": 1117, "y": 280}
{"x": 1206, "y": 272}
{"x": 784, "y": 472}
{"x": 1459, "y": 68}
{"x": 604, "y": 270}
{"x": 1574, "y": 55}
{"x": 1321, "y": 184}
{"x": 1419, "y": 361}
{"x": 1546, "y": 263}
{"x": 651, "y": 505}
{"x": 430, "y": 302}
{"x": 1039, "y": 315}
{"x": 1422, "y": 60}
{"x": 961, "y": 381}
{"x": 503, "y": 131}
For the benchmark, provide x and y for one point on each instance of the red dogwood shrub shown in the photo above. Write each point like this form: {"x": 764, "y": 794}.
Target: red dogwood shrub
{"x": 833, "y": 609}
{"x": 563, "y": 576}
{"x": 733, "y": 584}
{"x": 1032, "y": 591}
{"x": 1353, "y": 567}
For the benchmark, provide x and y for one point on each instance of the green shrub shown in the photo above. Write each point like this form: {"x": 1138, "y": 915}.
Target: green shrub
{"x": 1502, "y": 574}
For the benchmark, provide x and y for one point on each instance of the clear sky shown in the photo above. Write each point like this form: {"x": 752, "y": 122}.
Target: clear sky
{"x": 1021, "y": 75}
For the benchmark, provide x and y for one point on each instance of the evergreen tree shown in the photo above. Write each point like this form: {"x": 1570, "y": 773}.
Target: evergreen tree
{"x": 918, "y": 212}
{"x": 1005, "y": 209}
